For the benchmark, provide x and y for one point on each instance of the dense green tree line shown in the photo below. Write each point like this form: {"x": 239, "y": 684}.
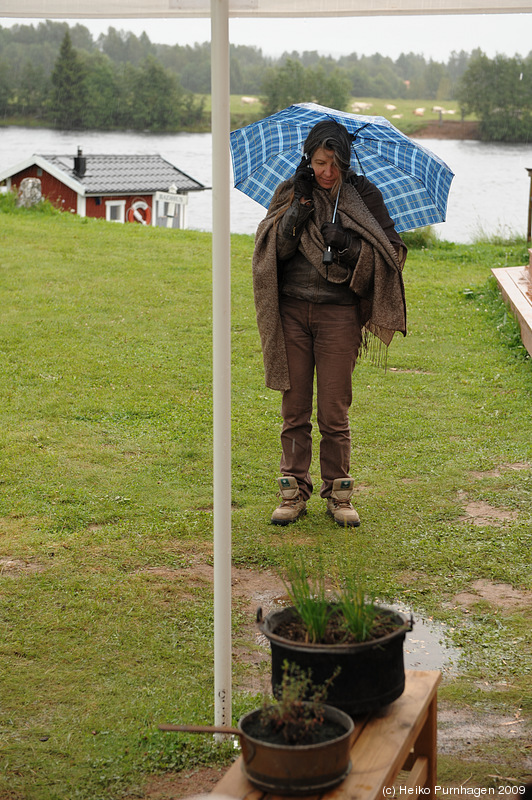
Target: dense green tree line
{"x": 499, "y": 92}
{"x": 61, "y": 75}
{"x": 115, "y": 84}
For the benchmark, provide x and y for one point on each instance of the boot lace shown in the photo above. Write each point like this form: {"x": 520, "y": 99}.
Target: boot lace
{"x": 288, "y": 502}
{"x": 343, "y": 504}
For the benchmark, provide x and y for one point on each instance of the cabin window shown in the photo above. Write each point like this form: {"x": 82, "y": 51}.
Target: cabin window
{"x": 115, "y": 210}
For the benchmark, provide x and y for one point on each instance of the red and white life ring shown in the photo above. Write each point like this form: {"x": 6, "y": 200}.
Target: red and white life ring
{"x": 139, "y": 211}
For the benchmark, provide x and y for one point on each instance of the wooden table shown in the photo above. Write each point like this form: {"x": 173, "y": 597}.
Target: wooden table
{"x": 400, "y": 737}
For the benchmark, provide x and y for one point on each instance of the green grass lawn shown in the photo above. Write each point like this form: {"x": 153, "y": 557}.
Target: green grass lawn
{"x": 106, "y": 493}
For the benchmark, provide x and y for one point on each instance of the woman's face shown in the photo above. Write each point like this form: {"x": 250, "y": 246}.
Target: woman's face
{"x": 325, "y": 171}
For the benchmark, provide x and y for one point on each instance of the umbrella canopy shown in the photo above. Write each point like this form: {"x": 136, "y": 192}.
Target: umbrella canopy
{"x": 414, "y": 182}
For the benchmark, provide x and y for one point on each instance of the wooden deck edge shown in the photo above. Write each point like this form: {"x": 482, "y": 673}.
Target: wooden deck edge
{"x": 511, "y": 282}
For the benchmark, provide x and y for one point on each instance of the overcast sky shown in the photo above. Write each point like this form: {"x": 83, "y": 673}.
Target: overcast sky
{"x": 433, "y": 36}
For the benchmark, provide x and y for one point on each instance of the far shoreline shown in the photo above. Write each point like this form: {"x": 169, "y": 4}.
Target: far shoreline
{"x": 450, "y": 129}
{"x": 434, "y": 129}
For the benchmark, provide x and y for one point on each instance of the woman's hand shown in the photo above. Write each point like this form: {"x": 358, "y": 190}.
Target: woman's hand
{"x": 303, "y": 179}
{"x": 334, "y": 235}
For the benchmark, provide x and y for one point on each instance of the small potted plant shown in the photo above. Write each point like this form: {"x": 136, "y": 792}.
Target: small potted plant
{"x": 296, "y": 744}
{"x": 322, "y": 630}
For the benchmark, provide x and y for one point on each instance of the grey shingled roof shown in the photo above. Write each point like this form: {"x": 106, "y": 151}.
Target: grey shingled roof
{"x": 126, "y": 174}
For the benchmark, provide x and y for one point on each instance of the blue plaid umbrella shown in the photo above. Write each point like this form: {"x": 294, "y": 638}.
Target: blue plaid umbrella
{"x": 414, "y": 182}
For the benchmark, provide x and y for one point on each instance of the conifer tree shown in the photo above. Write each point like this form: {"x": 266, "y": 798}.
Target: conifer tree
{"x": 69, "y": 88}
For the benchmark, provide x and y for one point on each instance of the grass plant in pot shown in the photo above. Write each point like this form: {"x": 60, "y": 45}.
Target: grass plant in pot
{"x": 323, "y": 630}
{"x": 297, "y": 744}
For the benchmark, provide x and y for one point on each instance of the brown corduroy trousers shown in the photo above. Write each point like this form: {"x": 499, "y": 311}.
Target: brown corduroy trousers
{"x": 324, "y": 339}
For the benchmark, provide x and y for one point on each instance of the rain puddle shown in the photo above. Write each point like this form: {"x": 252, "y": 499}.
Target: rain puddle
{"x": 426, "y": 645}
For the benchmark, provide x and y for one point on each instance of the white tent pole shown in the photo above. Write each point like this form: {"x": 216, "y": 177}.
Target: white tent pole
{"x": 221, "y": 286}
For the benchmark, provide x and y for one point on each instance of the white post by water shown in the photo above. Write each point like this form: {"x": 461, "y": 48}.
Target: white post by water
{"x": 221, "y": 294}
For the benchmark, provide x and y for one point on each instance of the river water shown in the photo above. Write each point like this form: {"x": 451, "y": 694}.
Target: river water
{"x": 489, "y": 194}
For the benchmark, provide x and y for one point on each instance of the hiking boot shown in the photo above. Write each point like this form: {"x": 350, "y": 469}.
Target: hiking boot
{"x": 292, "y": 506}
{"x": 339, "y": 503}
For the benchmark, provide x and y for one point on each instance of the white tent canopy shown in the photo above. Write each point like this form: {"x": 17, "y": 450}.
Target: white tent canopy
{"x": 70, "y": 9}
{"x": 219, "y": 11}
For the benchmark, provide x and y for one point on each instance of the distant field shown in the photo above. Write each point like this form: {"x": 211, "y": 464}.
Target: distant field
{"x": 245, "y": 109}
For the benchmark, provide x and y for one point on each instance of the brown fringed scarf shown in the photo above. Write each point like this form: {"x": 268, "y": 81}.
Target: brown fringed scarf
{"x": 377, "y": 276}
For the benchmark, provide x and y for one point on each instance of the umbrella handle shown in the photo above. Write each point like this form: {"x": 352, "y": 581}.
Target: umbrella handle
{"x": 336, "y": 206}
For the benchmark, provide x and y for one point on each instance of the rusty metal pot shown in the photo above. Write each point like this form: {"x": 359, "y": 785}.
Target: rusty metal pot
{"x": 289, "y": 769}
{"x": 298, "y": 769}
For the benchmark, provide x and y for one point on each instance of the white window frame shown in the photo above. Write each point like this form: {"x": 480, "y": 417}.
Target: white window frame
{"x": 121, "y": 205}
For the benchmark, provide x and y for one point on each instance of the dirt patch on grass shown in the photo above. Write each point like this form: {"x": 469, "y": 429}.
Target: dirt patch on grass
{"x": 517, "y": 466}
{"x": 253, "y": 591}
{"x": 459, "y": 727}
{"x": 501, "y": 595}
{"x": 182, "y": 784}
{"x": 13, "y": 566}
{"x": 479, "y": 512}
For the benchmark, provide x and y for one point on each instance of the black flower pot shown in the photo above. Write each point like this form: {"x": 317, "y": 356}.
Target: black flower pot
{"x": 372, "y": 673}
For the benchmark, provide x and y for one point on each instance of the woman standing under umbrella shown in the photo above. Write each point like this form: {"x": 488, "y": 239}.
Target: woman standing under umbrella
{"x": 320, "y": 287}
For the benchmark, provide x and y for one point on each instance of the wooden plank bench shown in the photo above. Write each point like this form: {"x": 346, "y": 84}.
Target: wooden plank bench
{"x": 400, "y": 737}
{"x": 515, "y": 284}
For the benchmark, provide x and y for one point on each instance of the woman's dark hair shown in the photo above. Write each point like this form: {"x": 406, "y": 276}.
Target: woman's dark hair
{"x": 330, "y": 135}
